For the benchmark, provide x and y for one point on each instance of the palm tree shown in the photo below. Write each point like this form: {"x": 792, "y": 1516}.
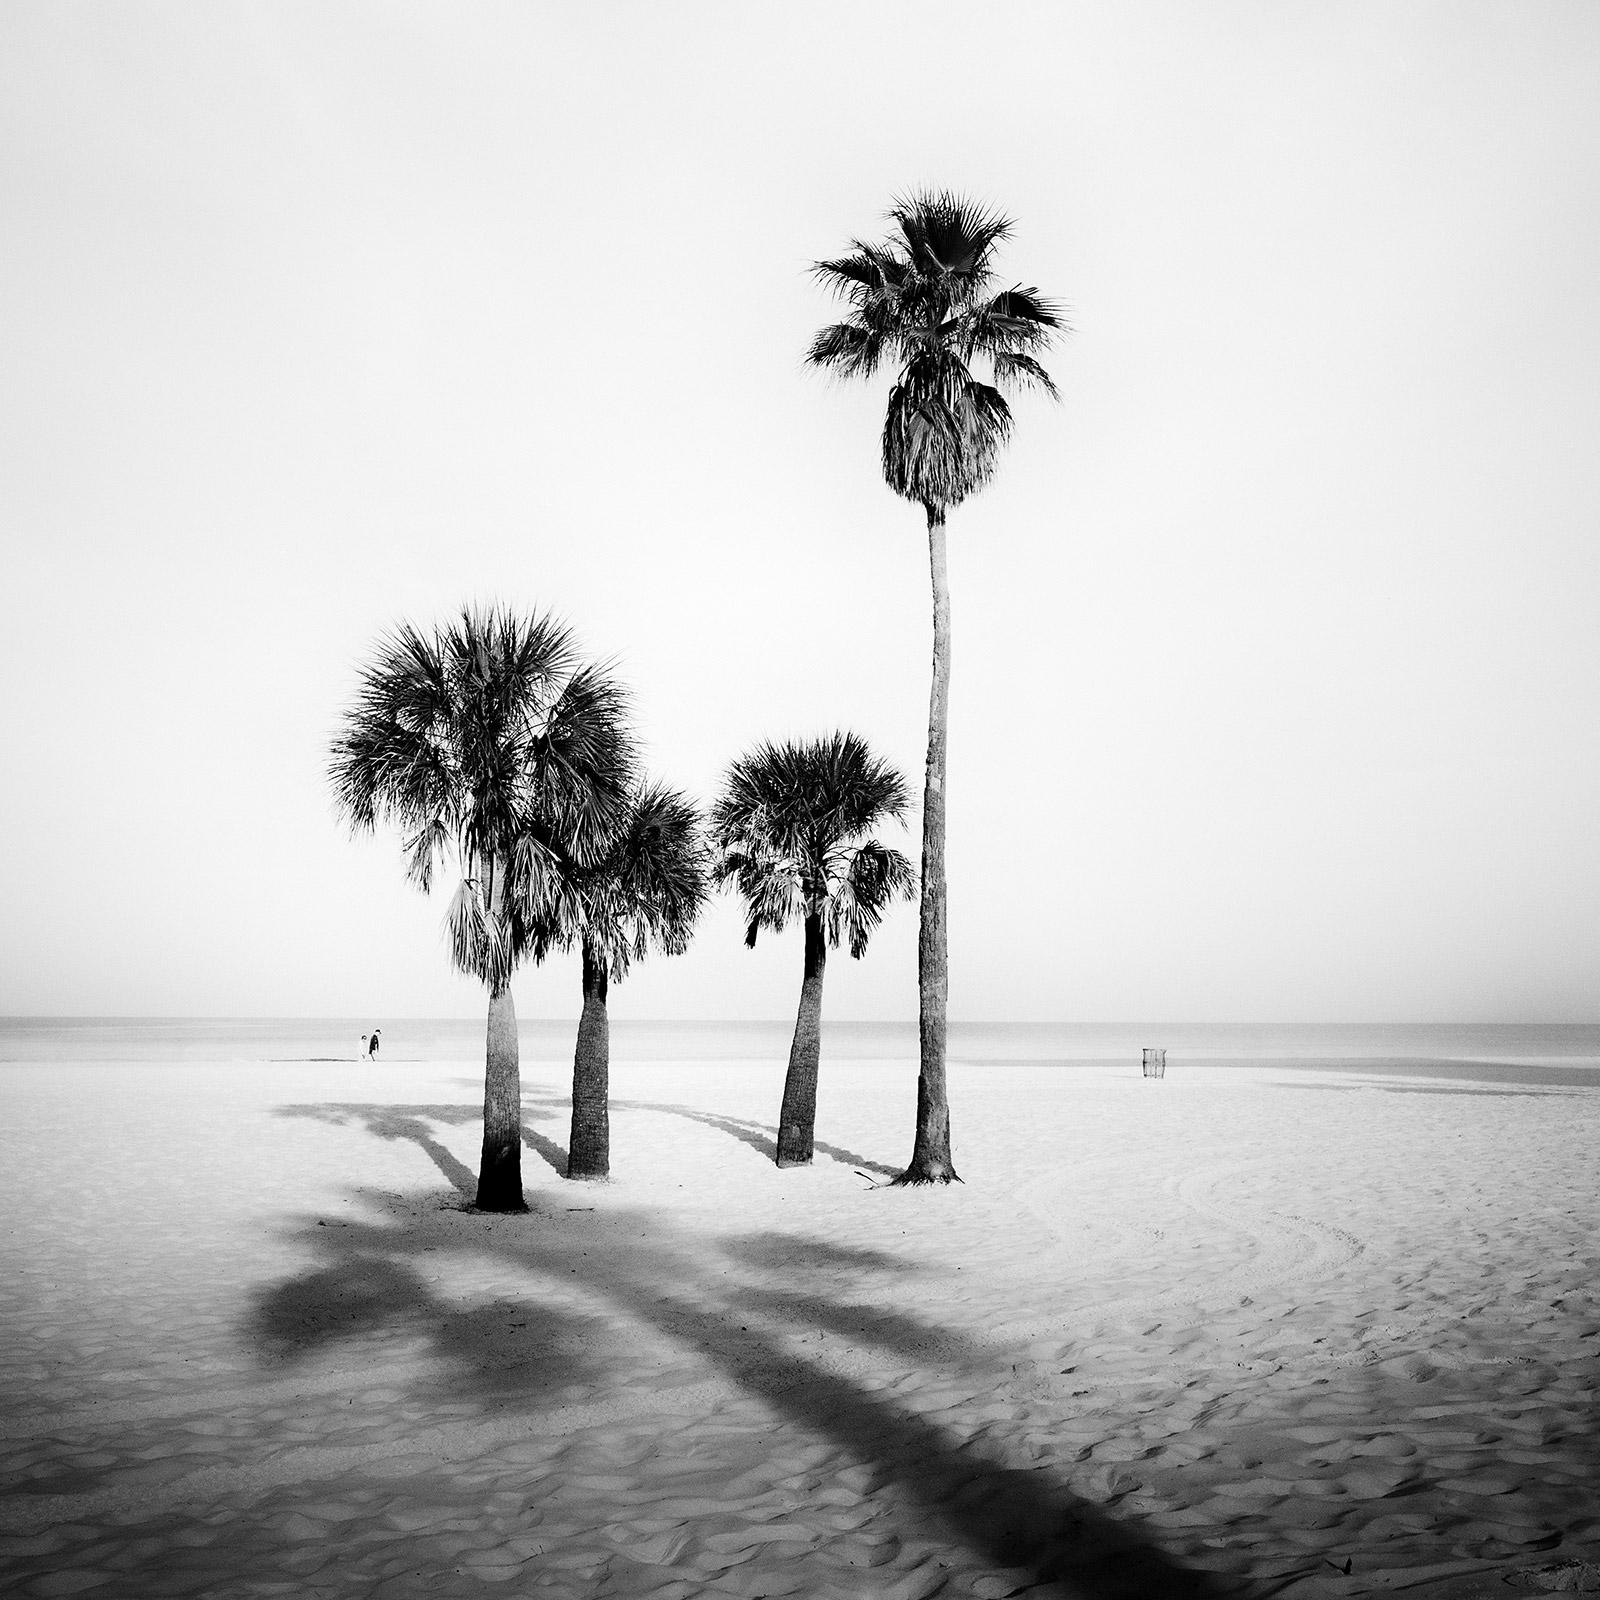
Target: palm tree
{"x": 928, "y": 300}
{"x": 790, "y": 826}
{"x": 489, "y": 742}
{"x": 647, "y": 888}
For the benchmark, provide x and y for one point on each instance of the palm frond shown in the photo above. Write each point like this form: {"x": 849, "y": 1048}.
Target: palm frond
{"x": 851, "y": 350}
{"x": 1026, "y": 308}
{"x": 392, "y": 761}
{"x": 1018, "y": 321}
{"x": 871, "y": 267}
{"x": 478, "y": 942}
{"x": 488, "y": 736}
{"x": 788, "y": 825}
{"x": 426, "y": 846}
{"x": 942, "y": 432}
{"x": 535, "y": 655}
{"x": 926, "y": 298}
{"x": 945, "y": 234}
{"x": 877, "y": 876}
{"x": 1023, "y": 371}
{"x": 651, "y": 885}
{"x": 541, "y": 898}
{"x": 583, "y": 761}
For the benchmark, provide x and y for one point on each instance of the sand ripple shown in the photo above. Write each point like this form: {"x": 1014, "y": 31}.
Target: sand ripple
{"x": 1215, "y": 1335}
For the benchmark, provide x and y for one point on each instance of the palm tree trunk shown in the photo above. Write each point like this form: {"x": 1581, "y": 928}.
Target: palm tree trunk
{"x": 589, "y": 1148}
{"x": 500, "y": 1167}
{"x": 930, "y": 1156}
{"x": 797, "y": 1121}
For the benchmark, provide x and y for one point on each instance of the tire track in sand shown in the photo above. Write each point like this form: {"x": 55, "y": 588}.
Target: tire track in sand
{"x": 1284, "y": 1252}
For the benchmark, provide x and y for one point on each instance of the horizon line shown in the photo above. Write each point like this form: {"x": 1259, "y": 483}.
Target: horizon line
{"x": 788, "y": 1021}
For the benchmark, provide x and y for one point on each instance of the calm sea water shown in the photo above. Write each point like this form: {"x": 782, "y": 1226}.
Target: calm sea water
{"x": 270, "y": 1039}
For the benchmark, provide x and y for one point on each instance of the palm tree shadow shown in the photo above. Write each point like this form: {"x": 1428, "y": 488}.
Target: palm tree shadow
{"x": 759, "y": 1328}
{"x": 542, "y": 1108}
{"x": 750, "y": 1133}
{"x": 1016, "y": 1517}
{"x": 399, "y": 1122}
{"x": 493, "y": 1352}
{"x": 851, "y": 1159}
{"x": 384, "y": 1121}
{"x": 759, "y": 1136}
{"x": 552, "y": 1154}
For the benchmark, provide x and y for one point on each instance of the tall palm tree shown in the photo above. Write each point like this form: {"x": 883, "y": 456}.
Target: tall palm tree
{"x": 488, "y": 742}
{"x": 647, "y": 888}
{"x": 928, "y": 300}
{"x": 791, "y": 824}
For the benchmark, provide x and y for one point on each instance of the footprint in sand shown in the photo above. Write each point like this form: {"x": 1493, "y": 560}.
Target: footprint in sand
{"x": 1051, "y": 1200}
{"x": 1285, "y": 1252}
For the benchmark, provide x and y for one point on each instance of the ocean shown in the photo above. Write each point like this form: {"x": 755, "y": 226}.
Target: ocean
{"x": 1569, "y": 1050}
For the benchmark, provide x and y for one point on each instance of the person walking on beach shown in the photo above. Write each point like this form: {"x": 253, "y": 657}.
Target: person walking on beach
{"x": 372, "y": 1046}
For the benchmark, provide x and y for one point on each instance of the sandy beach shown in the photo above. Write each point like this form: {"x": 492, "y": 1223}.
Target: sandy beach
{"x": 1249, "y": 1330}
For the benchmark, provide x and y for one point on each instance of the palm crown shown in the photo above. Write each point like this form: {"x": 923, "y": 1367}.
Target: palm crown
{"x": 789, "y": 826}
{"x": 929, "y": 301}
{"x": 650, "y": 883}
{"x": 488, "y": 740}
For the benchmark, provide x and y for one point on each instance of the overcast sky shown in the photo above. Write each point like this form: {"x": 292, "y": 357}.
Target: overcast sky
{"x": 1276, "y": 658}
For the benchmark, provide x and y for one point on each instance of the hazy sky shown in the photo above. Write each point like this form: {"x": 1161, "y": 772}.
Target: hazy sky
{"x": 1276, "y": 665}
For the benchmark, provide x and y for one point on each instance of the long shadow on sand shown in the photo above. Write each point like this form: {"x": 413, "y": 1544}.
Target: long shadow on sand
{"x": 1424, "y": 1088}
{"x": 748, "y": 1310}
{"x": 1518, "y": 1074}
{"x": 758, "y": 1135}
{"x": 411, "y": 1122}
{"x": 483, "y": 1346}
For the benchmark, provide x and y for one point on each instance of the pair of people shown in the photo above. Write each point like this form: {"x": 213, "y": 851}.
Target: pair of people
{"x": 369, "y": 1043}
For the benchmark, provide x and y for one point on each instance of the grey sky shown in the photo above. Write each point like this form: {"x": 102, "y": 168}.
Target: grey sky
{"x": 1276, "y": 673}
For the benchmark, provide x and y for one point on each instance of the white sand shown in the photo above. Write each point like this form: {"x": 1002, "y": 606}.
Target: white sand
{"x": 1241, "y": 1331}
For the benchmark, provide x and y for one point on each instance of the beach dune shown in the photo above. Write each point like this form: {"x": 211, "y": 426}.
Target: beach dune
{"x": 1255, "y": 1329}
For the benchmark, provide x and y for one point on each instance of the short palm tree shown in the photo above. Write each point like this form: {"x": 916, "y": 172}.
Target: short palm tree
{"x": 928, "y": 301}
{"x": 647, "y": 888}
{"x": 489, "y": 742}
{"x": 791, "y": 826}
